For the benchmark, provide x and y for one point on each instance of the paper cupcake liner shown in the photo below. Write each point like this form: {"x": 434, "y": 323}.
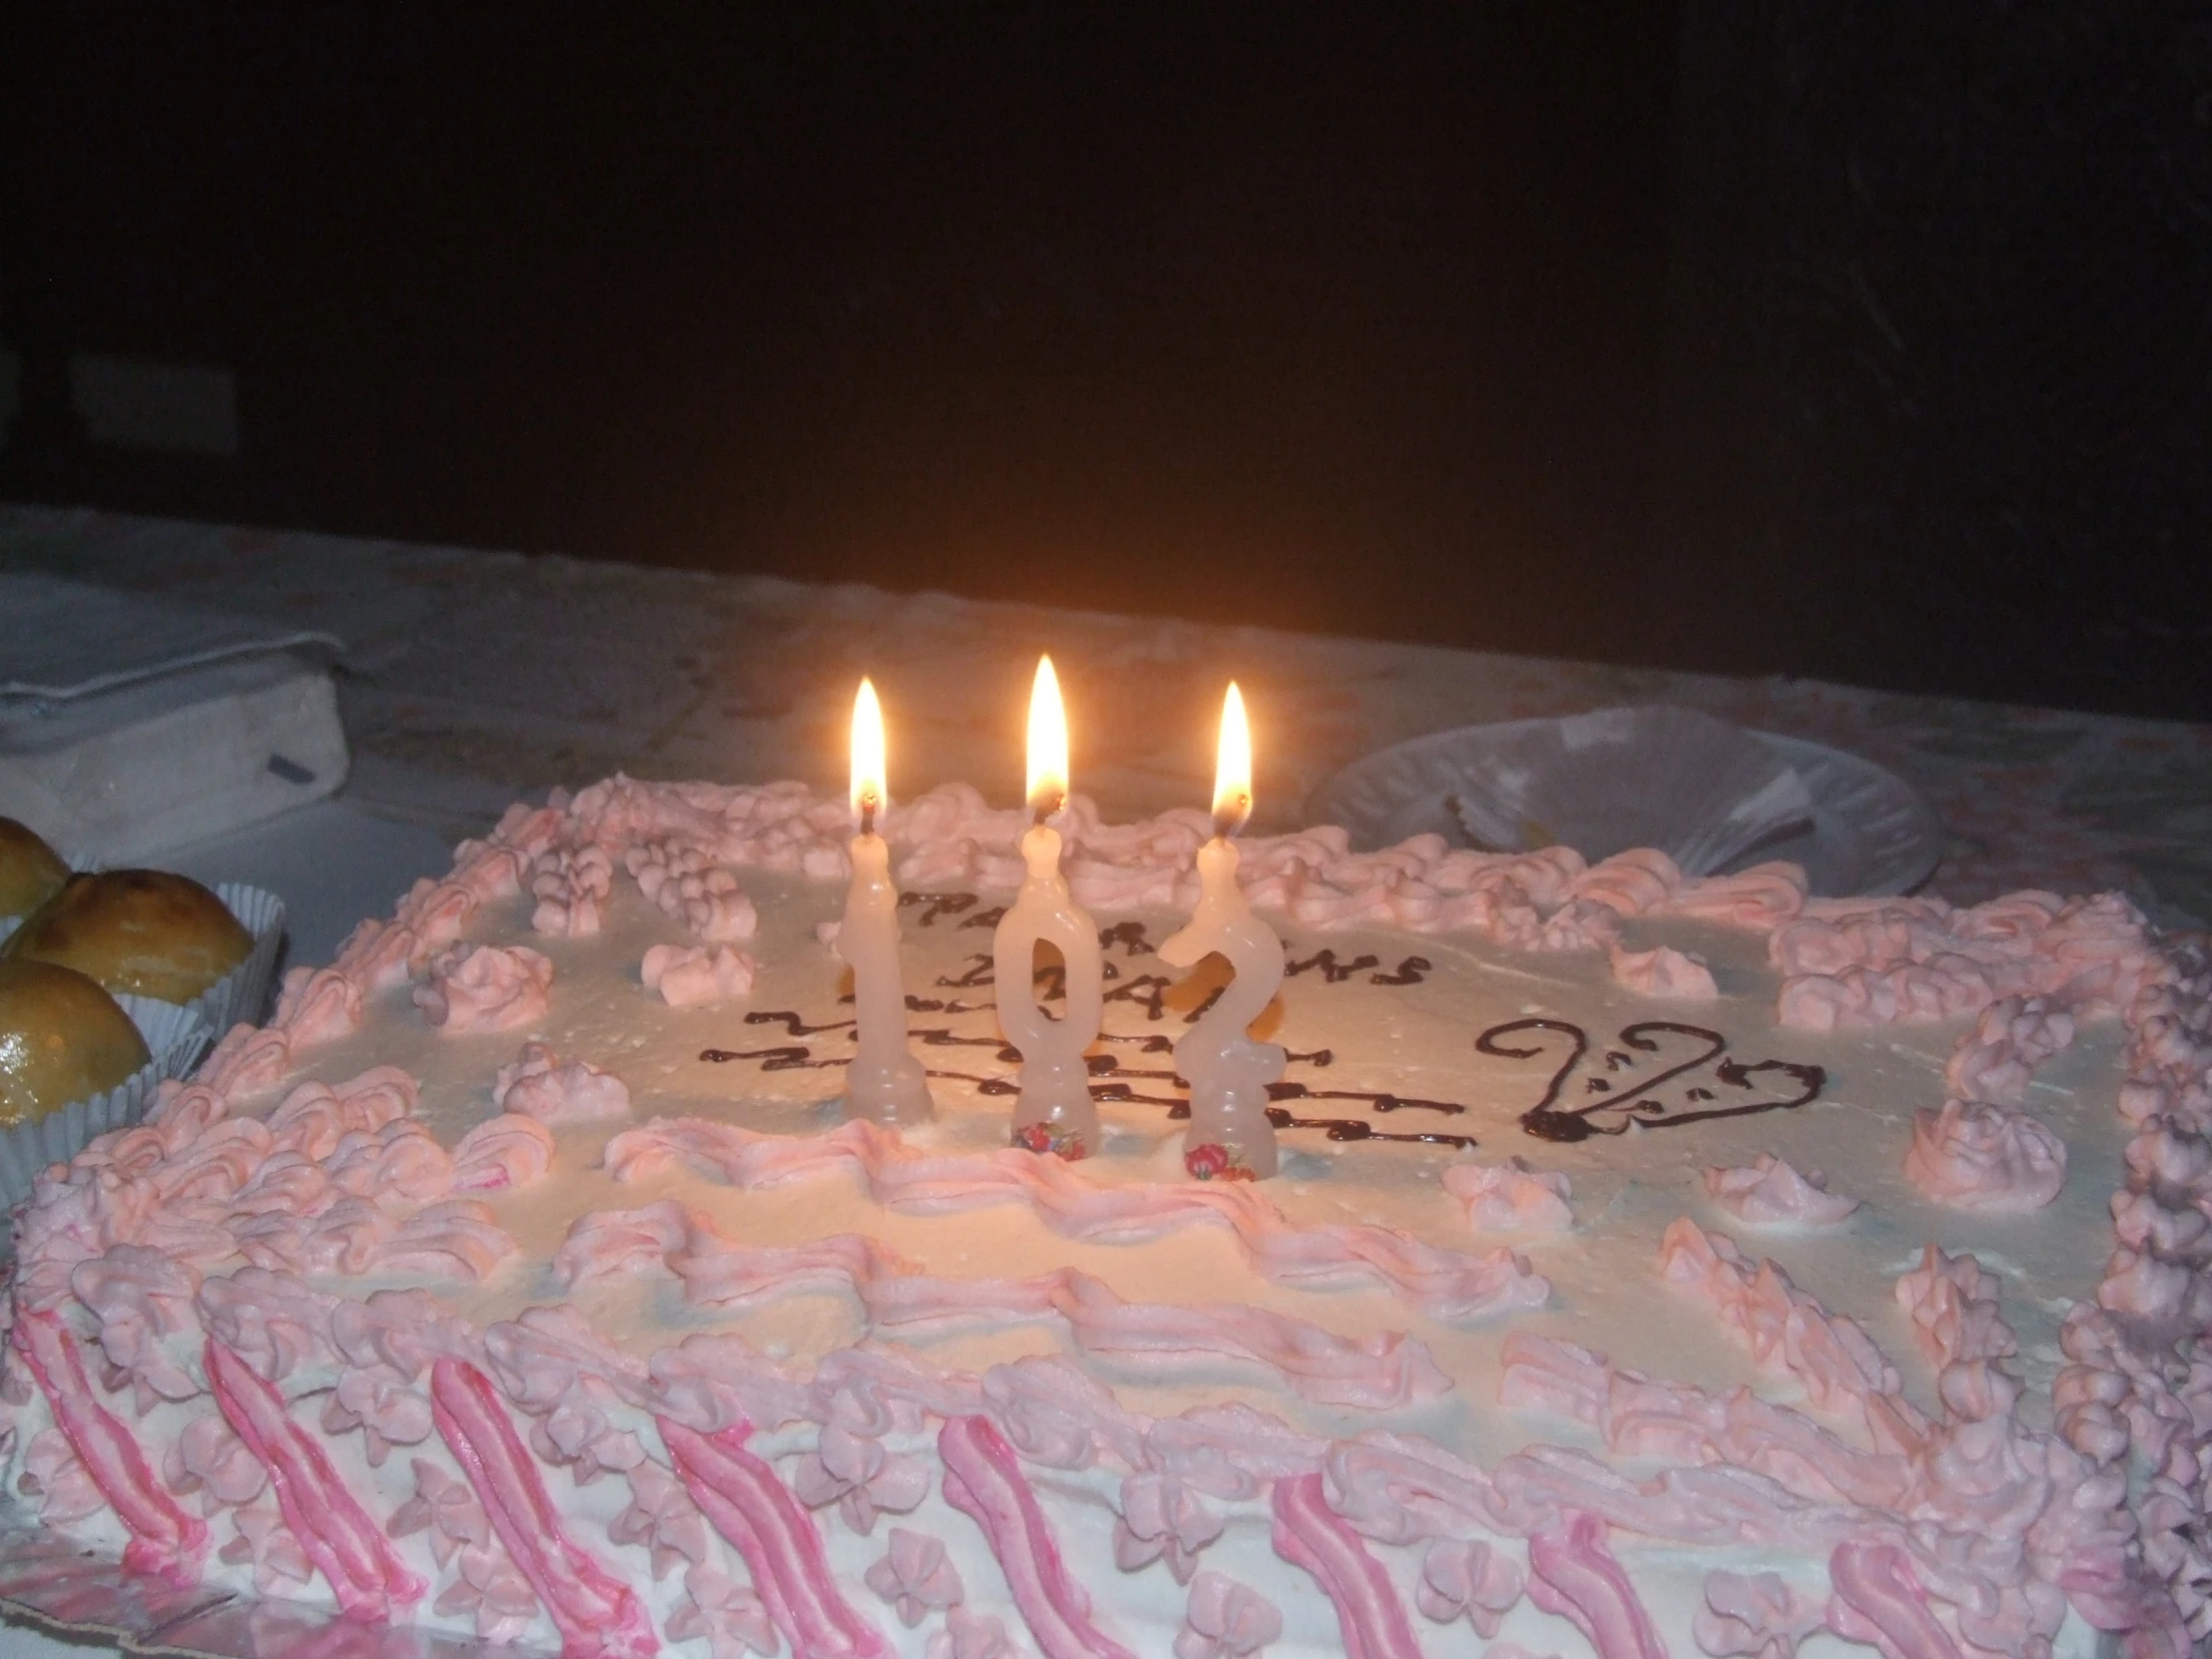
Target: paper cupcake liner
{"x": 176, "y": 1036}
{"x": 243, "y": 993}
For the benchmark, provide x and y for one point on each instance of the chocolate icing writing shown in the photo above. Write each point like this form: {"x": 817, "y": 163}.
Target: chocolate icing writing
{"x": 1333, "y": 972}
{"x": 1130, "y": 935}
{"x": 1613, "y": 1111}
{"x": 786, "y": 1058}
{"x": 1412, "y": 970}
{"x": 1148, "y": 992}
{"x": 1114, "y": 1080}
{"x": 794, "y": 1023}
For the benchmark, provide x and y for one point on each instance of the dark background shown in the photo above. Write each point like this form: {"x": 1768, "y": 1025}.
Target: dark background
{"x": 1863, "y": 340}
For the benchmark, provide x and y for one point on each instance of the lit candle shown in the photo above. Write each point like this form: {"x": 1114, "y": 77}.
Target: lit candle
{"x": 884, "y": 1081}
{"x": 1055, "y": 1112}
{"x": 1229, "y": 1138}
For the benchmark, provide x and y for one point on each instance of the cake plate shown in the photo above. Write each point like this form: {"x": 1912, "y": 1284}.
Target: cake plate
{"x": 1871, "y": 834}
{"x": 65, "y": 1589}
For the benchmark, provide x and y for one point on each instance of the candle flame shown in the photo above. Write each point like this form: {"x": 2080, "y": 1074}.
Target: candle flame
{"x": 1048, "y": 744}
{"x": 868, "y": 756}
{"x": 1232, "y": 771}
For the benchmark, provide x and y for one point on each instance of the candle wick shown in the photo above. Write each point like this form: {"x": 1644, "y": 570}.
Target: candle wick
{"x": 867, "y": 815}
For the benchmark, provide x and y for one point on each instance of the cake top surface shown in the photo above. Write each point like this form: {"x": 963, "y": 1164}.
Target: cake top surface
{"x": 1577, "y": 1141}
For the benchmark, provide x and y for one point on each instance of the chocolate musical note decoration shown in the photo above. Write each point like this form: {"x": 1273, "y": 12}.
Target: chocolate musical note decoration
{"x": 1618, "y": 1092}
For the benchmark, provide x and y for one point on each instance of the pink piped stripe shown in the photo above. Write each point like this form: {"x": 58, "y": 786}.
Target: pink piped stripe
{"x": 1876, "y": 1600}
{"x": 164, "y": 1539}
{"x": 751, "y": 1506}
{"x": 594, "y": 1612}
{"x": 1310, "y": 1534}
{"x": 983, "y": 1479}
{"x": 1572, "y": 1573}
{"x": 369, "y": 1579}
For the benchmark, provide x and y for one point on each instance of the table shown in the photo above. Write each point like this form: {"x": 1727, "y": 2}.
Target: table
{"x": 473, "y": 676}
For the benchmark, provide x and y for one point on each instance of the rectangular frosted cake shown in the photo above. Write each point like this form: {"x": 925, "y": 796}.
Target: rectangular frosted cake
{"x": 1656, "y": 1266}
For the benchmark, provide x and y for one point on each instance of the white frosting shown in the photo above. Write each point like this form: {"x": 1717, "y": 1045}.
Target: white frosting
{"x": 1983, "y": 1157}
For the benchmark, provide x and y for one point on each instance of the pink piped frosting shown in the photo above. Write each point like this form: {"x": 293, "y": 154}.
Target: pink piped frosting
{"x": 1377, "y": 1372}
{"x": 1510, "y": 1197}
{"x": 539, "y": 1084}
{"x": 1771, "y": 1193}
{"x": 1370, "y": 1618}
{"x": 1574, "y": 1574}
{"x": 1877, "y": 1599}
{"x": 489, "y": 988}
{"x": 917, "y": 1577}
{"x": 1973, "y": 1155}
{"x": 1467, "y": 1578}
{"x": 322, "y": 1517}
{"x": 1662, "y": 972}
{"x": 984, "y": 1480}
{"x": 1226, "y": 1620}
{"x": 690, "y": 976}
{"x": 1755, "y": 1615}
{"x": 1448, "y": 1284}
{"x": 164, "y": 1539}
{"x": 510, "y": 1149}
{"x": 752, "y": 1508}
{"x": 594, "y": 1610}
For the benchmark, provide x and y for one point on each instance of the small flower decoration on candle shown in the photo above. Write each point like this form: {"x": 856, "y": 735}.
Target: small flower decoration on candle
{"x": 884, "y": 1082}
{"x": 1055, "y": 1113}
{"x": 1231, "y": 1137}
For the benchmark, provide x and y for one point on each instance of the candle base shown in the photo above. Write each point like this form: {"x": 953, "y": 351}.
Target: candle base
{"x": 1056, "y": 1113}
{"x": 896, "y": 1093}
{"x": 1231, "y": 1137}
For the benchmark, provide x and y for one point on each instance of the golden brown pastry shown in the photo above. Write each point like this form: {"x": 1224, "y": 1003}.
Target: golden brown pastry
{"x": 144, "y": 932}
{"x": 62, "y": 1039}
{"x": 31, "y": 873}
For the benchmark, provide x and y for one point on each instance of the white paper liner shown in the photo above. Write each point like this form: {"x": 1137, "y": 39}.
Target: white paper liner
{"x": 243, "y": 993}
{"x": 176, "y": 1037}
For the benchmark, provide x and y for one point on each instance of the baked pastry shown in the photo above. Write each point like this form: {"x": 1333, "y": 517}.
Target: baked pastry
{"x": 31, "y": 873}
{"x": 1657, "y": 1266}
{"x": 62, "y": 1039}
{"x": 145, "y": 932}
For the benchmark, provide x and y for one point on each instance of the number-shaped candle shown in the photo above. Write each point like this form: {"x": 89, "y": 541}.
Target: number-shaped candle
{"x": 1055, "y": 1112}
{"x": 1231, "y": 1137}
{"x": 884, "y": 1081}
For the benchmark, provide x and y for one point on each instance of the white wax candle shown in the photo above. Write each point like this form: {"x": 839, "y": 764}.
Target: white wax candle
{"x": 884, "y": 1081}
{"x": 1229, "y": 1137}
{"x": 1055, "y": 1112}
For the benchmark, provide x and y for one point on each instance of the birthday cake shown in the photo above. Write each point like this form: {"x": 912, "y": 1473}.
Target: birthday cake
{"x": 1654, "y": 1265}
